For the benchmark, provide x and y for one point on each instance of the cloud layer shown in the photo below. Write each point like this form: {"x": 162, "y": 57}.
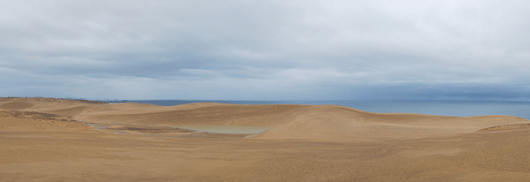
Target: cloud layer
{"x": 266, "y": 50}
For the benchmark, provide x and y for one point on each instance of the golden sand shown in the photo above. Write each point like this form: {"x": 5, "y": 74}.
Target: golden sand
{"x": 65, "y": 140}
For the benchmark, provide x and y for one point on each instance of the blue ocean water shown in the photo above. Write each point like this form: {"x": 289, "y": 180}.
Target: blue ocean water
{"x": 443, "y": 108}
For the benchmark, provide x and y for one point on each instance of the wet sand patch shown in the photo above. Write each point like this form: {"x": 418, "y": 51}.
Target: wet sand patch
{"x": 185, "y": 132}
{"x": 235, "y": 130}
{"x": 162, "y": 131}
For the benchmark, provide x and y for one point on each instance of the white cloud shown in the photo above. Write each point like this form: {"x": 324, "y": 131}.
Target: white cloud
{"x": 261, "y": 49}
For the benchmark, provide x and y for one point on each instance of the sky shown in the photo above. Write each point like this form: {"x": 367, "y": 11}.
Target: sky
{"x": 266, "y": 50}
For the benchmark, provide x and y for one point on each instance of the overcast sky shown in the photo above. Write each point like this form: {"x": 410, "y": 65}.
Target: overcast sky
{"x": 266, "y": 50}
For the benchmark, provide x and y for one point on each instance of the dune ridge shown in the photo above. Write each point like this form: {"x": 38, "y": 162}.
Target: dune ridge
{"x": 305, "y": 122}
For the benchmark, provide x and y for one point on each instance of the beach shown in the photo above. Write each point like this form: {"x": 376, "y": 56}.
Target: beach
{"x": 45, "y": 139}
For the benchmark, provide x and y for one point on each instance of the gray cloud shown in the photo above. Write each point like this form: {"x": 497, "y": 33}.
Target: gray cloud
{"x": 468, "y": 50}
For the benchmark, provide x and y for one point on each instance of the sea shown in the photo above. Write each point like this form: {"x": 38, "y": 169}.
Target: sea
{"x": 442, "y": 108}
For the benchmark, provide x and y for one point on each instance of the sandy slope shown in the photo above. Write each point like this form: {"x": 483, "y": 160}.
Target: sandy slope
{"x": 46, "y": 140}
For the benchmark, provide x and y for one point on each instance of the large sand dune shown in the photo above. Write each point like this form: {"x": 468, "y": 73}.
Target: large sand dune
{"x": 65, "y": 140}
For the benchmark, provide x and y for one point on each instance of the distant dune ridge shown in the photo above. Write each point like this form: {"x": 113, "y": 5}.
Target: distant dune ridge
{"x": 325, "y": 126}
{"x": 315, "y": 122}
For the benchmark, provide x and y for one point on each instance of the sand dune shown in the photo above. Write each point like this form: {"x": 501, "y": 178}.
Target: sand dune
{"x": 66, "y": 140}
{"x": 326, "y": 122}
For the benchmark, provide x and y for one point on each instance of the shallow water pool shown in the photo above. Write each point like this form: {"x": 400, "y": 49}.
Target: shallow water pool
{"x": 227, "y": 129}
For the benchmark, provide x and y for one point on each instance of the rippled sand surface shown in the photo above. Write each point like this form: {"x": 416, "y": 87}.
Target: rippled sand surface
{"x": 64, "y": 140}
